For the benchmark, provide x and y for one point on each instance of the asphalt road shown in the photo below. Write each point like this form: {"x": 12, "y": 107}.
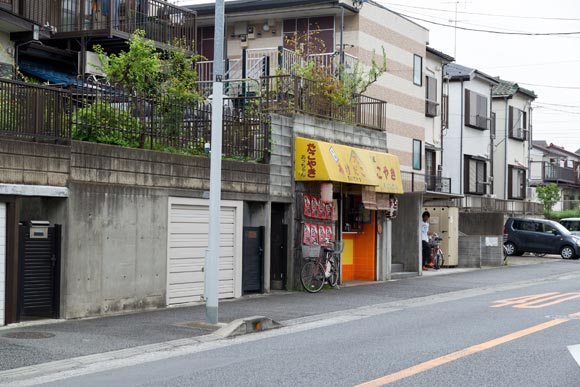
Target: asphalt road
{"x": 475, "y": 341}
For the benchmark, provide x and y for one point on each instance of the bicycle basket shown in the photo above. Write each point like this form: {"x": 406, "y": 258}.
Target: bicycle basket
{"x": 310, "y": 251}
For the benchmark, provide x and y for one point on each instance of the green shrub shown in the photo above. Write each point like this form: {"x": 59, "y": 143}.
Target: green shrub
{"x": 106, "y": 124}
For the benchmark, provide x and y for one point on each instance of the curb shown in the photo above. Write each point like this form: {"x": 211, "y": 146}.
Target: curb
{"x": 247, "y": 325}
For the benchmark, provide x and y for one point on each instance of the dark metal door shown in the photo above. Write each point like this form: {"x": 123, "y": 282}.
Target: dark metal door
{"x": 253, "y": 267}
{"x": 278, "y": 248}
{"x": 39, "y": 274}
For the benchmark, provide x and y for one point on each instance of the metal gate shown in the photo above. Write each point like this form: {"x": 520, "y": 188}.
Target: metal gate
{"x": 39, "y": 268}
{"x": 253, "y": 267}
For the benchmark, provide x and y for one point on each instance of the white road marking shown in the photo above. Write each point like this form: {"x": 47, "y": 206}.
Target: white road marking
{"x": 575, "y": 351}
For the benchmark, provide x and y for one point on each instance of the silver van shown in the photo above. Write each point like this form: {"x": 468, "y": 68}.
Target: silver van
{"x": 572, "y": 224}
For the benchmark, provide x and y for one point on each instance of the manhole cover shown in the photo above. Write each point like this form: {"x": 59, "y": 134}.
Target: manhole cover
{"x": 28, "y": 335}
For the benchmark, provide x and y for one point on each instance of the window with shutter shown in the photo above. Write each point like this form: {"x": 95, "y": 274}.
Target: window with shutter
{"x": 475, "y": 176}
{"x": 431, "y": 97}
{"x": 517, "y": 182}
{"x": 476, "y": 110}
{"x": 517, "y": 120}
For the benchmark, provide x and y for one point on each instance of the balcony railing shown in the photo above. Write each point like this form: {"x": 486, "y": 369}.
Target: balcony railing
{"x": 489, "y": 204}
{"x": 258, "y": 62}
{"x": 438, "y": 184}
{"x": 108, "y": 115}
{"x": 413, "y": 182}
{"x": 545, "y": 172}
{"x": 518, "y": 134}
{"x": 287, "y": 94}
{"x": 162, "y": 22}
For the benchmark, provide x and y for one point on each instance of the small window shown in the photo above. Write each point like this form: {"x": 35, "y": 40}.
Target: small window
{"x": 476, "y": 107}
{"x": 518, "y": 124}
{"x": 418, "y": 70}
{"x": 475, "y": 172}
{"x": 431, "y": 96}
{"x": 417, "y": 151}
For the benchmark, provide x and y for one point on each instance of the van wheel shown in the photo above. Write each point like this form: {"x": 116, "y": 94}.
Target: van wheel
{"x": 510, "y": 249}
{"x": 567, "y": 252}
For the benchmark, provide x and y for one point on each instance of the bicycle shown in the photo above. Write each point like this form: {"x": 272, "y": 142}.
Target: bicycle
{"x": 323, "y": 269}
{"x": 436, "y": 252}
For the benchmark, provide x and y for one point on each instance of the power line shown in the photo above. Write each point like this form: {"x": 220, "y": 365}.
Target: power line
{"x": 557, "y": 110}
{"x": 550, "y": 86}
{"x": 493, "y": 31}
{"x": 532, "y": 64}
{"x": 486, "y": 14}
{"x": 557, "y": 104}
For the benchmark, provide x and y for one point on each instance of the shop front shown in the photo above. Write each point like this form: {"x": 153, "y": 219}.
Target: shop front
{"x": 346, "y": 194}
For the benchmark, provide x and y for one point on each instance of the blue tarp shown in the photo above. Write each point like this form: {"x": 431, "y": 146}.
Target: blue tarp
{"x": 50, "y": 75}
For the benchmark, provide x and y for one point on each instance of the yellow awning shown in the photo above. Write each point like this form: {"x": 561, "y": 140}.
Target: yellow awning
{"x": 388, "y": 172}
{"x": 322, "y": 161}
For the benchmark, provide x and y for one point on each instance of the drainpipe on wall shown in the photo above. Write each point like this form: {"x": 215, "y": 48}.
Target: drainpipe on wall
{"x": 461, "y": 141}
{"x": 505, "y": 152}
{"x": 491, "y": 163}
{"x": 529, "y": 149}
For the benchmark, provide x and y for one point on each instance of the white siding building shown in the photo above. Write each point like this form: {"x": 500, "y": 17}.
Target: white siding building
{"x": 512, "y": 145}
{"x": 468, "y": 151}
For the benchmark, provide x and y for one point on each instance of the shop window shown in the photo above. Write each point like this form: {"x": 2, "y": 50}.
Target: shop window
{"x": 355, "y": 215}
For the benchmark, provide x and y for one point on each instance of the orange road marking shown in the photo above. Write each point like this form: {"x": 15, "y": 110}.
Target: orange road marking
{"x": 428, "y": 365}
{"x": 521, "y": 300}
{"x": 557, "y": 299}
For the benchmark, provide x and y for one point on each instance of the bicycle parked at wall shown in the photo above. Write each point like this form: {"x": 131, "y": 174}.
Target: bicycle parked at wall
{"x": 323, "y": 269}
{"x": 436, "y": 252}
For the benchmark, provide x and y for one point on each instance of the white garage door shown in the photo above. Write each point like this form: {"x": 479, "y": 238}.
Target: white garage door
{"x": 188, "y": 242}
{"x": 2, "y": 261}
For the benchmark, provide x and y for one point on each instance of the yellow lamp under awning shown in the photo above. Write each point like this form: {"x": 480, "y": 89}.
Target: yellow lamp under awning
{"x": 322, "y": 161}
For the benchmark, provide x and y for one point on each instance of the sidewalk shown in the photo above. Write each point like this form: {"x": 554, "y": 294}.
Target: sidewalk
{"x": 35, "y": 344}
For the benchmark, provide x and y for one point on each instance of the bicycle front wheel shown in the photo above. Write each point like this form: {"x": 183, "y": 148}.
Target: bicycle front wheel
{"x": 312, "y": 276}
{"x": 333, "y": 279}
{"x": 439, "y": 261}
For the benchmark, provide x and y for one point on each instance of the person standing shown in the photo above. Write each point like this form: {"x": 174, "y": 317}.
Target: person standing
{"x": 426, "y": 253}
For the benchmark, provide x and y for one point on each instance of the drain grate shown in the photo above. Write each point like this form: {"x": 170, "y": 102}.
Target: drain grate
{"x": 29, "y": 335}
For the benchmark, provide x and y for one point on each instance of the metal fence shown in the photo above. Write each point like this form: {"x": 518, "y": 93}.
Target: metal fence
{"x": 109, "y": 115}
{"x": 162, "y": 22}
{"x": 413, "y": 182}
{"x": 287, "y": 93}
{"x": 438, "y": 184}
{"x": 34, "y": 112}
{"x": 488, "y": 204}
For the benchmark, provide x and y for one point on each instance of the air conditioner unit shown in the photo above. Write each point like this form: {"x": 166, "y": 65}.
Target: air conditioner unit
{"x": 93, "y": 64}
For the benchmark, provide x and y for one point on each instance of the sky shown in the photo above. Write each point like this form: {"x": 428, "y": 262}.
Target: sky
{"x": 548, "y": 65}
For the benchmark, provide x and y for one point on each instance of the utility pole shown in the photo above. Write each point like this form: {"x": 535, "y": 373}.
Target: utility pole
{"x": 455, "y": 20}
{"x": 212, "y": 256}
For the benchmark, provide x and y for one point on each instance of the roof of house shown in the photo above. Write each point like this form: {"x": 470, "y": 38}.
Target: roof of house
{"x": 442, "y": 55}
{"x": 252, "y": 5}
{"x": 459, "y": 72}
{"x": 554, "y": 149}
{"x": 507, "y": 88}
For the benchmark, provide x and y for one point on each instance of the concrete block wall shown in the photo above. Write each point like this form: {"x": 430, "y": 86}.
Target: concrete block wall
{"x": 336, "y": 132}
{"x": 34, "y": 163}
{"x": 104, "y": 164}
{"x": 281, "y": 158}
{"x": 469, "y": 251}
{"x": 480, "y": 250}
